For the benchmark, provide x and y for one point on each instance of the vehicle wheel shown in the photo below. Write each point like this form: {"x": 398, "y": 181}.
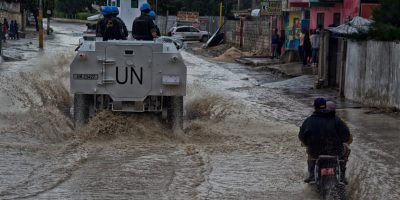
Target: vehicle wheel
{"x": 204, "y": 38}
{"x": 336, "y": 192}
{"x": 83, "y": 107}
{"x": 339, "y": 192}
{"x": 173, "y": 112}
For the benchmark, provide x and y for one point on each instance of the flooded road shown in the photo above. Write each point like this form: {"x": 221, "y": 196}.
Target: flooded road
{"x": 239, "y": 142}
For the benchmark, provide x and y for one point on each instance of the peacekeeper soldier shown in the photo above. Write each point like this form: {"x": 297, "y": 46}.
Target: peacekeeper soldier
{"x": 152, "y": 15}
{"x": 143, "y": 27}
{"x": 109, "y": 27}
{"x": 124, "y": 30}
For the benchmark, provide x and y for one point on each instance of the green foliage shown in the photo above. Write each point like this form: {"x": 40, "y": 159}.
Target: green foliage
{"x": 72, "y": 7}
{"x": 387, "y": 21}
{"x": 204, "y": 7}
{"x": 84, "y": 15}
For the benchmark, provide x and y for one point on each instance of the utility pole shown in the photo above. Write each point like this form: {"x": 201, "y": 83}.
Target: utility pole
{"x": 238, "y": 8}
{"x": 40, "y": 18}
{"x": 253, "y": 4}
{"x": 220, "y": 13}
{"x": 156, "y": 6}
{"x": 49, "y": 13}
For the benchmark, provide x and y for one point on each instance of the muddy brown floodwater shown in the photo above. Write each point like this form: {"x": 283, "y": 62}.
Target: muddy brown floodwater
{"x": 239, "y": 141}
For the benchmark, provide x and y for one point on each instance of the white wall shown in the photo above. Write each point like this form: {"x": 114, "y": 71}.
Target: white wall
{"x": 127, "y": 13}
{"x": 373, "y": 73}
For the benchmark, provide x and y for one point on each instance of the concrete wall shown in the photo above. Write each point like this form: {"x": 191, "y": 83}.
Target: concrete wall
{"x": 10, "y": 11}
{"x": 373, "y": 73}
{"x": 256, "y": 34}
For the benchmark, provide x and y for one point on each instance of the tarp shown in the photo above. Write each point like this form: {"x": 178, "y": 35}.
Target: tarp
{"x": 356, "y": 25}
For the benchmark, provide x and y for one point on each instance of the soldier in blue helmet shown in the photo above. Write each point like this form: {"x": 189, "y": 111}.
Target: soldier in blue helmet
{"x": 109, "y": 27}
{"x": 152, "y": 15}
{"x": 124, "y": 30}
{"x": 143, "y": 27}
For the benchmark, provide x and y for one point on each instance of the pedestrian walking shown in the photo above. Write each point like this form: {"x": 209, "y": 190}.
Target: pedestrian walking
{"x": 274, "y": 43}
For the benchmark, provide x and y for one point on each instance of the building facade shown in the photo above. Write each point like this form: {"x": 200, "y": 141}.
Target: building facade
{"x": 306, "y": 15}
{"x": 10, "y": 10}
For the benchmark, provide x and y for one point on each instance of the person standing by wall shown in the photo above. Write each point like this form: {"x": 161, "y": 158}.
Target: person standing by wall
{"x": 301, "y": 42}
{"x": 16, "y": 29}
{"x": 5, "y": 29}
{"x": 12, "y": 32}
{"x": 274, "y": 43}
{"x": 281, "y": 43}
{"x": 315, "y": 41}
{"x": 306, "y": 49}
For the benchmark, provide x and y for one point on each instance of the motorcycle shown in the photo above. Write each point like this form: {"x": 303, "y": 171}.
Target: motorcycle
{"x": 327, "y": 173}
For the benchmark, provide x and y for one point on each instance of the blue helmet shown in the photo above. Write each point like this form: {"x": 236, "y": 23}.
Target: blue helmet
{"x": 114, "y": 10}
{"x": 145, "y": 7}
{"x": 106, "y": 10}
{"x": 152, "y": 14}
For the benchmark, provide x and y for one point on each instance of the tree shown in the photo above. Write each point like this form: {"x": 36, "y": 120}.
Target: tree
{"x": 387, "y": 21}
{"x": 204, "y": 7}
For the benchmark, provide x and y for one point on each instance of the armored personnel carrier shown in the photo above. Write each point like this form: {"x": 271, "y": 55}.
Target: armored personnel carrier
{"x": 128, "y": 76}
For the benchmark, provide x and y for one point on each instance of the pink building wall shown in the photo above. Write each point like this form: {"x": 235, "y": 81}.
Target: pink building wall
{"x": 328, "y": 15}
{"x": 351, "y": 8}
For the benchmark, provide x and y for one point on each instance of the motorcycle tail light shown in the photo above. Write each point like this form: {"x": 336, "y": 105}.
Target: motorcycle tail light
{"x": 327, "y": 172}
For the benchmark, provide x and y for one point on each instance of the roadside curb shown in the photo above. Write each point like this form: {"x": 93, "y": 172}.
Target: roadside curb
{"x": 78, "y": 21}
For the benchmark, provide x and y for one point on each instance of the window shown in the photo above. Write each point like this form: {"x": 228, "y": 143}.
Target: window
{"x": 118, "y": 3}
{"x": 183, "y": 29}
{"x": 336, "y": 19}
{"x": 194, "y": 30}
{"x": 134, "y": 3}
{"x": 320, "y": 19}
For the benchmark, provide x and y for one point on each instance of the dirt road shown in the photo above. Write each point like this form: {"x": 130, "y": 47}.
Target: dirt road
{"x": 239, "y": 142}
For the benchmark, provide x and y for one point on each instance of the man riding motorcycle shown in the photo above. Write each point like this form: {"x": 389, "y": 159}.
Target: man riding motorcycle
{"x": 324, "y": 133}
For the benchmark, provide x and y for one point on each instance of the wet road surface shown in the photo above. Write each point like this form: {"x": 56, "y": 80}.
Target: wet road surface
{"x": 242, "y": 145}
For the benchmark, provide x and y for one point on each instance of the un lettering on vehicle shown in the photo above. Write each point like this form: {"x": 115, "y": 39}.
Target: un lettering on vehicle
{"x": 128, "y": 75}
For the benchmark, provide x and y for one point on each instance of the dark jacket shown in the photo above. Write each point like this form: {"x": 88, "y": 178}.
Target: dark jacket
{"x": 142, "y": 27}
{"x": 324, "y": 134}
{"x": 124, "y": 30}
{"x": 110, "y": 29}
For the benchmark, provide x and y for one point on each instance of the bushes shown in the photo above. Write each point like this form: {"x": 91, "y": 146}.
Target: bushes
{"x": 387, "y": 21}
{"x": 385, "y": 32}
{"x": 84, "y": 15}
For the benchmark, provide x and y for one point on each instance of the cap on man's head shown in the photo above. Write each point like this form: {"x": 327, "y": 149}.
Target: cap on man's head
{"x": 319, "y": 103}
{"x": 330, "y": 105}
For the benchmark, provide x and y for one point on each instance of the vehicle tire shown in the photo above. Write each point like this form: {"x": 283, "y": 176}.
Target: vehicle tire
{"x": 336, "y": 192}
{"x": 173, "y": 112}
{"x": 83, "y": 107}
{"x": 204, "y": 38}
{"x": 339, "y": 192}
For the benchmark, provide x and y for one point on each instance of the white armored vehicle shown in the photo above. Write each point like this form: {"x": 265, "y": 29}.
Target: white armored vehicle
{"x": 128, "y": 76}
